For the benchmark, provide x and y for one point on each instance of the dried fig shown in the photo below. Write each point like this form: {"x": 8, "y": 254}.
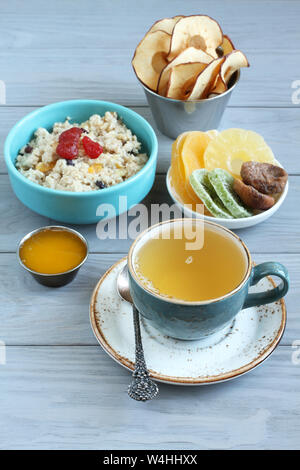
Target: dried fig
{"x": 265, "y": 177}
{"x": 251, "y": 197}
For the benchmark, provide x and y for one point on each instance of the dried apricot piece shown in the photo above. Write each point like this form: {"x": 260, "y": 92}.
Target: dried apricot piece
{"x": 45, "y": 167}
{"x": 95, "y": 168}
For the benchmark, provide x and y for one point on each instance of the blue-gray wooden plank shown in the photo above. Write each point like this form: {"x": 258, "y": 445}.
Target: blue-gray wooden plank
{"x": 65, "y": 50}
{"x": 75, "y": 398}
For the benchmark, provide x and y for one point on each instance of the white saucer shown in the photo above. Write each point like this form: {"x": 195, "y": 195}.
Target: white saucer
{"x": 230, "y": 223}
{"x": 250, "y": 339}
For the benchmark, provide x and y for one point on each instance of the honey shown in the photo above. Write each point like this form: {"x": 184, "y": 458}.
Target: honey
{"x": 53, "y": 251}
{"x": 167, "y": 268}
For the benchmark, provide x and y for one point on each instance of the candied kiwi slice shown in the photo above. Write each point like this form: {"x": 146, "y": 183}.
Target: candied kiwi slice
{"x": 222, "y": 182}
{"x": 201, "y": 185}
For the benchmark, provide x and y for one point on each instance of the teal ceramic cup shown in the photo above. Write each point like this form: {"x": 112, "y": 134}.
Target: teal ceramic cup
{"x": 196, "y": 320}
{"x": 80, "y": 207}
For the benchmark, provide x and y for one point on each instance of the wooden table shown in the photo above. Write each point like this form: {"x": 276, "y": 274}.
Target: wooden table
{"x": 58, "y": 388}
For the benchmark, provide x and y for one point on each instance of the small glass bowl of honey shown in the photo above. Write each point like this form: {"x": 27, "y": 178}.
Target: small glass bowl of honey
{"x": 53, "y": 255}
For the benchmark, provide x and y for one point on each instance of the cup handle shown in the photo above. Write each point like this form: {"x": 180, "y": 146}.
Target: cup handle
{"x": 270, "y": 268}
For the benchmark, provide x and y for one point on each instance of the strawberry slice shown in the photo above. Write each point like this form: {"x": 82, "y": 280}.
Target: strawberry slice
{"x": 68, "y": 143}
{"x": 91, "y": 148}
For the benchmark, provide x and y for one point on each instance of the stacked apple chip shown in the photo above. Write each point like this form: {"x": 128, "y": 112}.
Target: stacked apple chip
{"x": 187, "y": 58}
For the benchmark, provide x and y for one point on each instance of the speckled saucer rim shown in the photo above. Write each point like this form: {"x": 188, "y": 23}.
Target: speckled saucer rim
{"x": 203, "y": 380}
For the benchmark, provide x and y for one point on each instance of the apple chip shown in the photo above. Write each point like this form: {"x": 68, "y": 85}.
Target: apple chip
{"x": 150, "y": 57}
{"x": 181, "y": 40}
{"x": 199, "y": 31}
{"x": 189, "y": 55}
{"x": 166, "y": 25}
{"x": 226, "y": 47}
{"x": 233, "y": 62}
{"x": 205, "y": 80}
{"x": 218, "y": 87}
{"x": 182, "y": 79}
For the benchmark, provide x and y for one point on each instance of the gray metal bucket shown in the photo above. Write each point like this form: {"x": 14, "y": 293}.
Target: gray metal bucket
{"x": 172, "y": 117}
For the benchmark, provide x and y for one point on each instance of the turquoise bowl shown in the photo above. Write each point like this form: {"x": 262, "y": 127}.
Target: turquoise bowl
{"x": 77, "y": 207}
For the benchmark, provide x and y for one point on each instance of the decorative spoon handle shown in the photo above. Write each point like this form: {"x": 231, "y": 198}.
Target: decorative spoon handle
{"x": 142, "y": 388}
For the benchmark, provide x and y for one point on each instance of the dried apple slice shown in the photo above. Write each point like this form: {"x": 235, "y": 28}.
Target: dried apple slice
{"x": 191, "y": 54}
{"x": 205, "y": 80}
{"x": 233, "y": 62}
{"x": 150, "y": 57}
{"x": 182, "y": 79}
{"x": 166, "y": 25}
{"x": 199, "y": 31}
{"x": 218, "y": 87}
{"x": 226, "y": 47}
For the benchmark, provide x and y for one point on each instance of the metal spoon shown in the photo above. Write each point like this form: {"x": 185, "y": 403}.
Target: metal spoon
{"x": 142, "y": 388}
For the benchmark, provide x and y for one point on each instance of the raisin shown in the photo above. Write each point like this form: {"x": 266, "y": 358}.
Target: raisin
{"x": 70, "y": 162}
{"x": 91, "y": 148}
{"x": 28, "y": 149}
{"x": 100, "y": 184}
{"x": 84, "y": 130}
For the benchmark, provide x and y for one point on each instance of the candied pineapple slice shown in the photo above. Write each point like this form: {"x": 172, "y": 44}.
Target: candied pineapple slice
{"x": 177, "y": 173}
{"x": 187, "y": 156}
{"x": 191, "y": 156}
{"x": 193, "y": 150}
{"x": 212, "y": 133}
{"x": 232, "y": 147}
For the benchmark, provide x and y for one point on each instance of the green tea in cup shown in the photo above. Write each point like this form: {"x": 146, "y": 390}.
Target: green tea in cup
{"x": 165, "y": 265}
